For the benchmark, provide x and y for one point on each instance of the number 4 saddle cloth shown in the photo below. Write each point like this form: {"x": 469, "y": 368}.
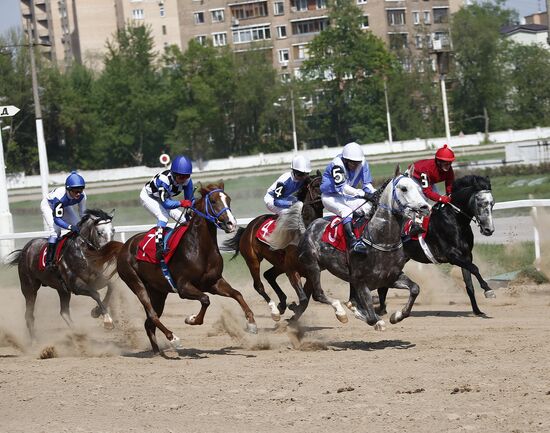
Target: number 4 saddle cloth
{"x": 334, "y": 232}
{"x": 147, "y": 249}
{"x": 265, "y": 229}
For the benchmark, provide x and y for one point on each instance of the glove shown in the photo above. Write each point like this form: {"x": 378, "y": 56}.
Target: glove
{"x": 368, "y": 195}
{"x": 74, "y": 228}
{"x": 186, "y": 203}
{"x": 444, "y": 199}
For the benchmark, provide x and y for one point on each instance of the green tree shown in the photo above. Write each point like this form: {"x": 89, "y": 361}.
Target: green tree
{"x": 479, "y": 52}
{"x": 347, "y": 66}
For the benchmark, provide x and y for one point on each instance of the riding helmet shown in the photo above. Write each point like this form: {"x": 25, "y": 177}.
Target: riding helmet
{"x": 181, "y": 165}
{"x": 353, "y": 152}
{"x": 301, "y": 163}
{"x": 445, "y": 154}
{"x": 74, "y": 180}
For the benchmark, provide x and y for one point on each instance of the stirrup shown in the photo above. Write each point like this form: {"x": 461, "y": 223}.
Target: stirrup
{"x": 359, "y": 247}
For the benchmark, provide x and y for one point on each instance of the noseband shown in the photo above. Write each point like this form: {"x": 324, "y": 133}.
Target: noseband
{"x": 210, "y": 213}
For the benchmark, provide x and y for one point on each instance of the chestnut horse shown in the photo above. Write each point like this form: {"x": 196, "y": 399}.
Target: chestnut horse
{"x": 284, "y": 261}
{"x": 196, "y": 267}
{"x": 76, "y": 272}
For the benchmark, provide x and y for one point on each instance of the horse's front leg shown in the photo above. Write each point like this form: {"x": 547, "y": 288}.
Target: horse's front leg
{"x": 471, "y": 268}
{"x": 404, "y": 282}
{"x": 467, "y": 277}
{"x": 187, "y": 290}
{"x": 95, "y": 313}
{"x": 365, "y": 305}
{"x": 222, "y": 288}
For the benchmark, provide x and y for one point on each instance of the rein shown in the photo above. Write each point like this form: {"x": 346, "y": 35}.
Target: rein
{"x": 210, "y": 214}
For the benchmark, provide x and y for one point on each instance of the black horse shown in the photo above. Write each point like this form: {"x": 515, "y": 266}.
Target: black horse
{"x": 77, "y": 270}
{"x": 450, "y": 238}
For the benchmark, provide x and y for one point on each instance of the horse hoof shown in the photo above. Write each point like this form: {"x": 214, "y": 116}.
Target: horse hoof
{"x": 251, "y": 328}
{"x": 343, "y": 318}
{"x": 380, "y": 326}
{"x": 108, "y": 325}
{"x": 275, "y": 317}
{"x": 190, "y": 320}
{"x": 275, "y": 314}
{"x": 175, "y": 342}
{"x": 490, "y": 294}
{"x": 349, "y": 306}
{"x": 396, "y": 317}
{"x": 95, "y": 313}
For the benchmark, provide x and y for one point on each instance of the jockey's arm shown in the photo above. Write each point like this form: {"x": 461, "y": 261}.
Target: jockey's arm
{"x": 58, "y": 211}
{"x": 165, "y": 198}
{"x": 82, "y": 205}
{"x": 431, "y": 194}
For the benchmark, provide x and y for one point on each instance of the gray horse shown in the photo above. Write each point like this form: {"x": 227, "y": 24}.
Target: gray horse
{"x": 399, "y": 199}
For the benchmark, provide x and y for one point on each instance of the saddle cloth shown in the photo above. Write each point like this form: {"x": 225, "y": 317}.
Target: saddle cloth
{"x": 147, "y": 249}
{"x": 266, "y": 229}
{"x": 57, "y": 255}
{"x": 334, "y": 232}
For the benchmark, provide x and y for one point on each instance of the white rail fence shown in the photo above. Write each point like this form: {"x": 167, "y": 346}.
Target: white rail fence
{"x": 7, "y": 241}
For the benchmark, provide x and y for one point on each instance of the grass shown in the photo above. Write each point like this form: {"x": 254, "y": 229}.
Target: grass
{"x": 505, "y": 258}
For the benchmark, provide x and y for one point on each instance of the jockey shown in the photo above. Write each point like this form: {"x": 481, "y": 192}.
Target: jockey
{"x": 340, "y": 194}
{"x": 428, "y": 172}
{"x": 281, "y": 195}
{"x": 59, "y": 212}
{"x": 156, "y": 197}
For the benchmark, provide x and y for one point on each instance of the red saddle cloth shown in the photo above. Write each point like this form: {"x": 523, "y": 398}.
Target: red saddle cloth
{"x": 266, "y": 229}
{"x": 334, "y": 233}
{"x": 57, "y": 255}
{"x": 408, "y": 225}
{"x": 147, "y": 249}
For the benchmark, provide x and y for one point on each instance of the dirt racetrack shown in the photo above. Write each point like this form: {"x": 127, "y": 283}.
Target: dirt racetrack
{"x": 440, "y": 370}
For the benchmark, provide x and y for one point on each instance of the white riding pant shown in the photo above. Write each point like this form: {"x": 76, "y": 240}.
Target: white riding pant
{"x": 156, "y": 208}
{"x": 70, "y": 216}
{"x": 275, "y": 209}
{"x": 345, "y": 206}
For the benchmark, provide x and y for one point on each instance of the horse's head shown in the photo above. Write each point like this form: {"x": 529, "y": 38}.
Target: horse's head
{"x": 406, "y": 196}
{"x": 215, "y": 204}
{"x": 310, "y": 195}
{"x": 96, "y": 227}
{"x": 473, "y": 194}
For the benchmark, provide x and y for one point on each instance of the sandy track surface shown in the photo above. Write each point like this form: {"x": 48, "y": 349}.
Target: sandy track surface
{"x": 440, "y": 370}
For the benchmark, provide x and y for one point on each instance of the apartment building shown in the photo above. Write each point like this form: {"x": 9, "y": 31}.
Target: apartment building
{"x": 78, "y": 29}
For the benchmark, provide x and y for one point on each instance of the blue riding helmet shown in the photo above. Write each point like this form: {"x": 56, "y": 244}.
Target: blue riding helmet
{"x": 181, "y": 165}
{"x": 74, "y": 180}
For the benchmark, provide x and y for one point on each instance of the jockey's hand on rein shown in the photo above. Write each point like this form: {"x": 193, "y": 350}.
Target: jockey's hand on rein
{"x": 74, "y": 228}
{"x": 444, "y": 199}
{"x": 369, "y": 196}
{"x": 186, "y": 203}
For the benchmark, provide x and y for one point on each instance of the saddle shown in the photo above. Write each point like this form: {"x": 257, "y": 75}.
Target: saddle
{"x": 334, "y": 232}
{"x": 58, "y": 249}
{"x": 146, "y": 251}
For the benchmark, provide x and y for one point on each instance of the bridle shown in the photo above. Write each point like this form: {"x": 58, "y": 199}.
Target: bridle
{"x": 473, "y": 198}
{"x": 308, "y": 200}
{"x": 210, "y": 213}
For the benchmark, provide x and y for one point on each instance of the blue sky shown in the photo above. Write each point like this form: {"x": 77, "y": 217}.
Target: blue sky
{"x": 10, "y": 15}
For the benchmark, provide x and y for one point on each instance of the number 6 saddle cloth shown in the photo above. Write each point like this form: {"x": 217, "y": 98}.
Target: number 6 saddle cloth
{"x": 147, "y": 249}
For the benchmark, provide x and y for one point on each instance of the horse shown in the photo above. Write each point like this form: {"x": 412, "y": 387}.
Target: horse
{"x": 196, "y": 267}
{"x": 449, "y": 237}
{"x": 381, "y": 266}
{"x": 283, "y": 260}
{"x": 76, "y": 271}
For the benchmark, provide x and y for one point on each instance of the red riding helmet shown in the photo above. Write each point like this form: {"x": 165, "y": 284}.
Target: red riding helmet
{"x": 445, "y": 154}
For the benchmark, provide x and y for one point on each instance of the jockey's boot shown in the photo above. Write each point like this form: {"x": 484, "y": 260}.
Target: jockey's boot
{"x": 159, "y": 243}
{"x": 354, "y": 244}
{"x": 50, "y": 253}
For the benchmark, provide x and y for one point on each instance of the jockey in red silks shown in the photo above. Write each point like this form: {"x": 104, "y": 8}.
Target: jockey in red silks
{"x": 428, "y": 172}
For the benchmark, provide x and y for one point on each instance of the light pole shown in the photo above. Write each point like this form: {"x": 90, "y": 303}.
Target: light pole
{"x": 42, "y": 154}
{"x": 388, "y": 118}
{"x": 442, "y": 69}
{"x": 294, "y": 137}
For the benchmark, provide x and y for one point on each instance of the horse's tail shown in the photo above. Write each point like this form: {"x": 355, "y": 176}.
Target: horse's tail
{"x": 289, "y": 229}
{"x": 105, "y": 255}
{"x": 233, "y": 243}
{"x": 13, "y": 258}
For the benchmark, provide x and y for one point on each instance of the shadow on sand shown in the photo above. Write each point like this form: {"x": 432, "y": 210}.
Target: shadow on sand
{"x": 444, "y": 313}
{"x": 372, "y": 345}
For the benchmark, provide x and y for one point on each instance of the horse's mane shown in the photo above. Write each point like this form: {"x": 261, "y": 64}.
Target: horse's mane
{"x": 376, "y": 199}
{"x": 302, "y": 192}
{"x": 476, "y": 182}
{"x": 210, "y": 187}
{"x": 98, "y": 213}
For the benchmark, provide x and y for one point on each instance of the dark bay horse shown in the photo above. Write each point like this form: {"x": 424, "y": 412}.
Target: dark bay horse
{"x": 76, "y": 272}
{"x": 450, "y": 239}
{"x": 196, "y": 267}
{"x": 380, "y": 267}
{"x": 283, "y": 260}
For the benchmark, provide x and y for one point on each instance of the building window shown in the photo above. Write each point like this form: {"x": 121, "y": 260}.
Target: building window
{"x": 416, "y": 18}
{"x": 398, "y": 41}
{"x": 278, "y": 8}
{"x": 309, "y": 26}
{"x": 217, "y": 15}
{"x": 249, "y": 10}
{"x": 441, "y": 15}
{"x": 300, "y": 5}
{"x": 284, "y": 56}
{"x": 418, "y": 41}
{"x": 164, "y": 30}
{"x": 361, "y": 2}
{"x": 137, "y": 14}
{"x": 365, "y": 22}
{"x": 198, "y": 17}
{"x": 396, "y": 17}
{"x": 162, "y": 11}
{"x": 201, "y": 39}
{"x": 250, "y": 34}
{"x": 321, "y": 4}
{"x": 219, "y": 39}
{"x": 281, "y": 32}
{"x": 301, "y": 52}
{"x": 427, "y": 19}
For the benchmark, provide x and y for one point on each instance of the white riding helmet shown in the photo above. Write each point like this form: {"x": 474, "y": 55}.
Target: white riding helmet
{"x": 353, "y": 152}
{"x": 301, "y": 163}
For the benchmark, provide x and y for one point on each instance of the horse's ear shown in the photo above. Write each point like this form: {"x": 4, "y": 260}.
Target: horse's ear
{"x": 396, "y": 171}
{"x": 221, "y": 184}
{"x": 319, "y": 173}
{"x": 112, "y": 213}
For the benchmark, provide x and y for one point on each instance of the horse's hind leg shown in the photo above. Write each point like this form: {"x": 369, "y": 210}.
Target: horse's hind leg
{"x": 222, "y": 287}
{"x": 30, "y": 287}
{"x": 271, "y": 276}
{"x": 404, "y": 282}
{"x": 158, "y": 300}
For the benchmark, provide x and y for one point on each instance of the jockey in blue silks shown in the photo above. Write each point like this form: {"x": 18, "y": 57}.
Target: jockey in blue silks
{"x": 59, "y": 210}
{"x": 282, "y": 193}
{"x": 156, "y": 197}
{"x": 340, "y": 194}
